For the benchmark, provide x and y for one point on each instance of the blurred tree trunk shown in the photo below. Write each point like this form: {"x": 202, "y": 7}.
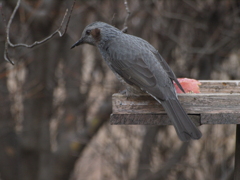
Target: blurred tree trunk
{"x": 9, "y": 148}
{"x": 38, "y": 97}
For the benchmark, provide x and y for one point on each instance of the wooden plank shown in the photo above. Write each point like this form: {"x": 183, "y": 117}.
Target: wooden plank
{"x": 192, "y": 103}
{"x": 162, "y": 119}
{"x": 220, "y": 86}
{"x": 147, "y": 119}
{"x": 220, "y": 118}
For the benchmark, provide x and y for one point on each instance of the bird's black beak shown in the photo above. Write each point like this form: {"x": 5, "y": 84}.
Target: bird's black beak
{"x": 77, "y": 43}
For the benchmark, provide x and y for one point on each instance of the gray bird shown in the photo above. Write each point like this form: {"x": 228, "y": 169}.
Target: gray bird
{"x": 140, "y": 65}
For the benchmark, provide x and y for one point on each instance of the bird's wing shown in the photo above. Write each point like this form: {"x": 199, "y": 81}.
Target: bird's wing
{"x": 164, "y": 64}
{"x": 134, "y": 72}
{"x": 169, "y": 71}
{"x": 137, "y": 66}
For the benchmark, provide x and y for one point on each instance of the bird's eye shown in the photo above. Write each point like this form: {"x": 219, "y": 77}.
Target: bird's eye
{"x": 88, "y": 32}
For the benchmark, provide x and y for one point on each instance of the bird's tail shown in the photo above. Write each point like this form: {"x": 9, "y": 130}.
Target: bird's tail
{"x": 184, "y": 126}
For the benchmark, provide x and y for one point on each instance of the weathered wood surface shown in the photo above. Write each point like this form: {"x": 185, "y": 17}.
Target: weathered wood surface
{"x": 146, "y": 119}
{"x": 220, "y": 86}
{"x": 218, "y": 103}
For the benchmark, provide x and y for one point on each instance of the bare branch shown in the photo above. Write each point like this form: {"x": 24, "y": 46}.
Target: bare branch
{"x": 58, "y": 31}
{"x": 126, "y": 19}
{"x": 113, "y": 18}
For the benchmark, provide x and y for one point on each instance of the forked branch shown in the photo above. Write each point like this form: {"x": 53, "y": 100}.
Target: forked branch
{"x": 58, "y": 31}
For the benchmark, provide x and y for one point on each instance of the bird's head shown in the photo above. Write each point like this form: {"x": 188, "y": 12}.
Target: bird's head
{"x": 97, "y": 32}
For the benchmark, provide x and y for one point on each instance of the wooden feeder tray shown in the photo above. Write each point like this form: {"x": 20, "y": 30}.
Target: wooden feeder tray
{"x": 218, "y": 103}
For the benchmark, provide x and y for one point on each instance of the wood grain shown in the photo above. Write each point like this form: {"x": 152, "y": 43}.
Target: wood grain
{"x": 220, "y": 86}
{"x": 147, "y": 119}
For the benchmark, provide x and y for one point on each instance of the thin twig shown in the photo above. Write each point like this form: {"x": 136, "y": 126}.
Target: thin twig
{"x": 6, "y": 56}
{"x": 58, "y": 31}
{"x": 126, "y": 19}
{"x": 113, "y": 17}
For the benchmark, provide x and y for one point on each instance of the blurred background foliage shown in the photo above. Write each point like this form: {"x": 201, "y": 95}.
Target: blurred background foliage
{"x": 55, "y": 102}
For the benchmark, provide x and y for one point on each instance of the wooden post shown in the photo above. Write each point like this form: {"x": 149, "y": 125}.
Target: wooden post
{"x": 237, "y": 154}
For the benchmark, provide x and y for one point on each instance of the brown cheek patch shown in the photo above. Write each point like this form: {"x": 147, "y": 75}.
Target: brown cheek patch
{"x": 96, "y": 34}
